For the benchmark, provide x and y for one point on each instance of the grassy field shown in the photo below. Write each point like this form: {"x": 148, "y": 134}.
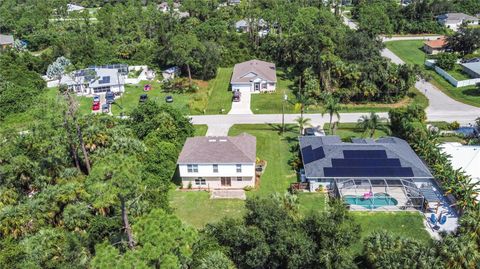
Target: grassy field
{"x": 272, "y": 147}
{"x": 211, "y": 98}
{"x": 219, "y": 96}
{"x": 197, "y": 209}
{"x": 349, "y": 130}
{"x": 410, "y": 52}
{"x": 405, "y": 224}
{"x": 271, "y": 103}
{"x": 200, "y": 129}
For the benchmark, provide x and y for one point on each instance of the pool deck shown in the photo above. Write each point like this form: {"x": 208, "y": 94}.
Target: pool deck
{"x": 446, "y": 209}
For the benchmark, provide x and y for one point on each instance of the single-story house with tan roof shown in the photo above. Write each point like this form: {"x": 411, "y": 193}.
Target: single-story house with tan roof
{"x": 435, "y": 46}
{"x": 220, "y": 162}
{"x": 254, "y": 76}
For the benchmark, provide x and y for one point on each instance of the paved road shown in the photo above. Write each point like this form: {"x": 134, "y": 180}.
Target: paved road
{"x": 218, "y": 125}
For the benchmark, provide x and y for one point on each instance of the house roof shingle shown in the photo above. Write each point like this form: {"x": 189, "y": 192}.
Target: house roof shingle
{"x": 326, "y": 148}
{"x": 6, "y": 39}
{"x": 261, "y": 69}
{"x": 437, "y": 43}
{"x": 219, "y": 150}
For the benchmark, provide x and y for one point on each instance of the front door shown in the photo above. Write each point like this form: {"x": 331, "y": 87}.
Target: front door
{"x": 257, "y": 86}
{"x": 226, "y": 181}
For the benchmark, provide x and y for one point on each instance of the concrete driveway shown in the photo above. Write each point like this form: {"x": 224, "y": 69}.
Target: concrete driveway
{"x": 242, "y": 107}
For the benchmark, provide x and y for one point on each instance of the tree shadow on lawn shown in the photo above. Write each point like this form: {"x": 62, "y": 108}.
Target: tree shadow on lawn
{"x": 472, "y": 92}
{"x": 289, "y": 128}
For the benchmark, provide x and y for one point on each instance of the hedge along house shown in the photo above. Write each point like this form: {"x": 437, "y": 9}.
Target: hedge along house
{"x": 383, "y": 174}
{"x": 223, "y": 162}
{"x": 254, "y": 76}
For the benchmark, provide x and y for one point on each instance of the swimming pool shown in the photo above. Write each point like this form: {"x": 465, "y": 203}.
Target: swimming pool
{"x": 378, "y": 200}
{"x": 467, "y": 131}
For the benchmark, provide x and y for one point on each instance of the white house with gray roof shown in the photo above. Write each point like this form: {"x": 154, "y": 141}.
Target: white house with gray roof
{"x": 92, "y": 81}
{"x": 454, "y": 20}
{"x": 223, "y": 162}
{"x": 368, "y": 174}
{"x": 6, "y": 41}
{"x": 254, "y": 76}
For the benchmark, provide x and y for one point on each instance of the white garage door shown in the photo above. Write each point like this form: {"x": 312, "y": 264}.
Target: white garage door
{"x": 240, "y": 87}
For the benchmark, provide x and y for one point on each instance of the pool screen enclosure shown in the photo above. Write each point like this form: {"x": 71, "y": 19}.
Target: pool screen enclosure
{"x": 379, "y": 194}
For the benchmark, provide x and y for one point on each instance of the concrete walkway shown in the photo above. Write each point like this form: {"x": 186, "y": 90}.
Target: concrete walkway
{"x": 242, "y": 107}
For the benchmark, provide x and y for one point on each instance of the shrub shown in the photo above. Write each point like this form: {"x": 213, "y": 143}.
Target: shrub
{"x": 247, "y": 188}
{"x": 446, "y": 61}
{"x": 454, "y": 125}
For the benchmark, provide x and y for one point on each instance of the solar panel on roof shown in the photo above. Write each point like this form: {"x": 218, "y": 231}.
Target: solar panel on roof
{"x": 310, "y": 155}
{"x": 364, "y": 154}
{"x": 104, "y": 80}
{"x": 368, "y": 172}
{"x": 366, "y": 162}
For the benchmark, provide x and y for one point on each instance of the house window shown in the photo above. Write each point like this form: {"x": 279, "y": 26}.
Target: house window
{"x": 200, "y": 181}
{"x": 239, "y": 179}
{"x": 239, "y": 168}
{"x": 192, "y": 168}
{"x": 264, "y": 85}
{"x": 215, "y": 168}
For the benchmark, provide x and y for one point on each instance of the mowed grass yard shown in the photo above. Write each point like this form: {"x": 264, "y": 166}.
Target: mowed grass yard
{"x": 410, "y": 51}
{"x": 273, "y": 103}
{"x": 197, "y": 209}
{"x": 350, "y": 130}
{"x": 213, "y": 97}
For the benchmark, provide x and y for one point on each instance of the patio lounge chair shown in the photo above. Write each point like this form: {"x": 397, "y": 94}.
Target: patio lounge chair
{"x": 433, "y": 219}
{"x": 442, "y": 220}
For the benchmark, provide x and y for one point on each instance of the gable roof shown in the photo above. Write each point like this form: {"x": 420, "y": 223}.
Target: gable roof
{"x": 457, "y": 17}
{"x": 390, "y": 157}
{"x": 263, "y": 70}
{"x": 219, "y": 150}
{"x": 6, "y": 39}
{"x": 437, "y": 43}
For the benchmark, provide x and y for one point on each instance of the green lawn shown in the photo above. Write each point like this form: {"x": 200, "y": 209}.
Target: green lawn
{"x": 274, "y": 148}
{"x": 219, "y": 96}
{"x": 458, "y": 73}
{"x": 350, "y": 130}
{"x": 404, "y": 224}
{"x": 272, "y": 103}
{"x": 197, "y": 209}
{"x": 211, "y": 98}
{"x": 200, "y": 129}
{"x": 410, "y": 52}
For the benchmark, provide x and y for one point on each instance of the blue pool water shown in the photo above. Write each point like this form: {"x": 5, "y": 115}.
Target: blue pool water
{"x": 467, "y": 131}
{"x": 379, "y": 200}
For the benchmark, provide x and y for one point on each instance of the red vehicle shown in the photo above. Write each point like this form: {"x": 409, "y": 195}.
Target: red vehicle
{"x": 96, "y": 106}
{"x": 147, "y": 87}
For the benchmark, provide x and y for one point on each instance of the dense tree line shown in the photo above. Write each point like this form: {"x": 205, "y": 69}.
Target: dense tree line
{"x": 388, "y": 17}
{"x": 300, "y": 35}
{"x": 55, "y": 212}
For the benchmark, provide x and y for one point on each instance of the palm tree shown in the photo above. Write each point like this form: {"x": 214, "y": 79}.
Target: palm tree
{"x": 302, "y": 123}
{"x": 371, "y": 123}
{"x": 332, "y": 107}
